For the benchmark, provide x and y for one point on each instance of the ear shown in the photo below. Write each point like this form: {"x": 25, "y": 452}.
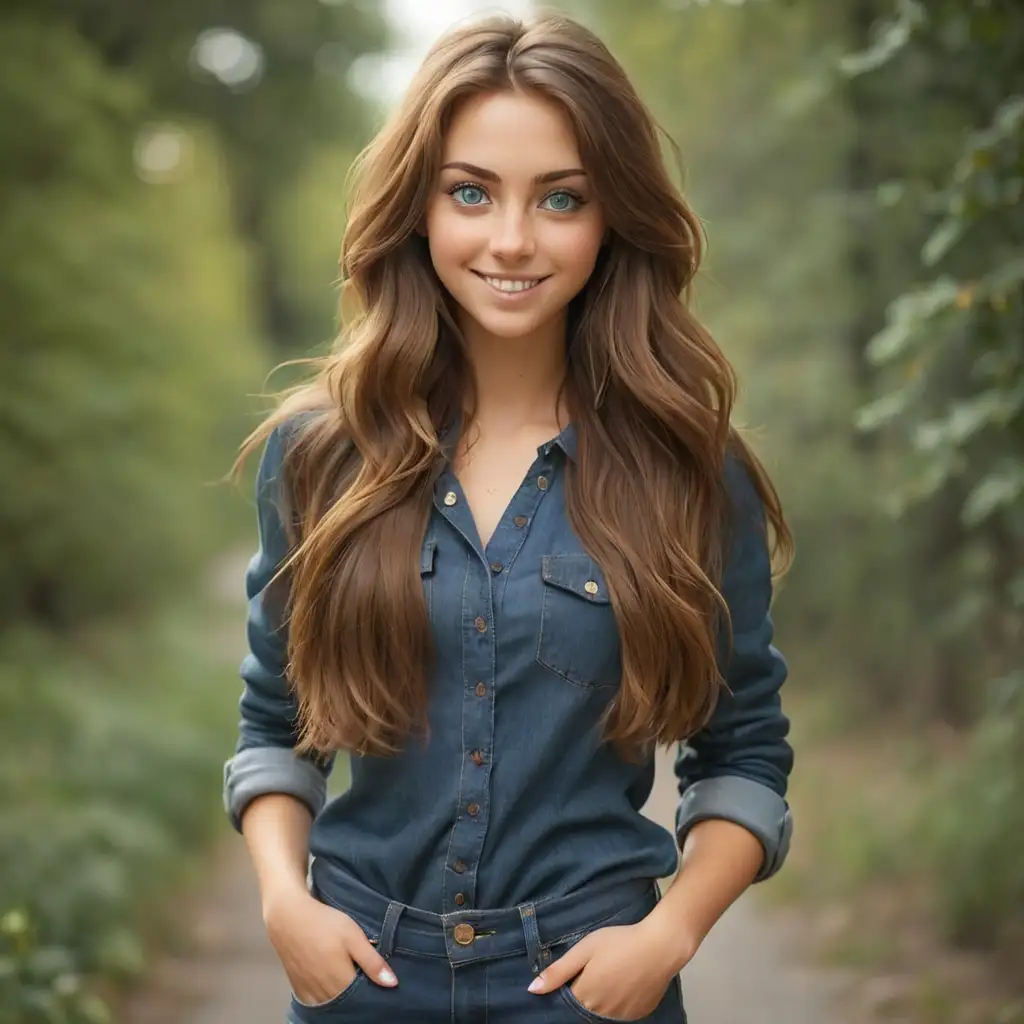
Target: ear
{"x": 421, "y": 228}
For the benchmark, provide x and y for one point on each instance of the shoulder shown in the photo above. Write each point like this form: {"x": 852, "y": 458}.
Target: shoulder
{"x": 282, "y": 440}
{"x": 746, "y": 561}
{"x": 743, "y": 504}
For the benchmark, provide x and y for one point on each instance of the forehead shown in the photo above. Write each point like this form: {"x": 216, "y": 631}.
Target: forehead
{"x": 512, "y": 133}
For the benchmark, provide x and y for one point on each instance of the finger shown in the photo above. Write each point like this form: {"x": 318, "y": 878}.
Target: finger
{"x": 564, "y": 969}
{"x": 373, "y": 964}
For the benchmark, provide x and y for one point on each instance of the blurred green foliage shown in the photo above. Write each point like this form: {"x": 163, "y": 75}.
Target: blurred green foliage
{"x": 859, "y": 167}
{"x": 111, "y": 757}
{"x": 170, "y": 202}
{"x": 129, "y": 347}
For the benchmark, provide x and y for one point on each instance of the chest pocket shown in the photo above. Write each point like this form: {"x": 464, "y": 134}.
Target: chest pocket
{"x": 579, "y": 637}
{"x": 428, "y": 554}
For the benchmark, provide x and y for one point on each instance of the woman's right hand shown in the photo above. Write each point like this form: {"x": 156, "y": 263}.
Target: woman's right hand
{"x": 320, "y": 948}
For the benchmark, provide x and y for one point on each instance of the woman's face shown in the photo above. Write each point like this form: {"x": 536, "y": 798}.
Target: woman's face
{"x": 513, "y": 225}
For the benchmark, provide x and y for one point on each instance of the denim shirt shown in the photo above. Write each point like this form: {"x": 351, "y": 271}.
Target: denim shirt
{"x": 516, "y": 797}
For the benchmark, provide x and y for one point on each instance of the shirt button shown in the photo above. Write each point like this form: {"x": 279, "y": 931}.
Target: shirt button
{"x": 542, "y": 482}
{"x": 464, "y": 934}
{"x": 450, "y": 498}
{"x": 481, "y": 690}
{"x": 459, "y": 899}
{"x": 481, "y": 624}
{"x": 477, "y": 757}
{"x": 496, "y": 567}
{"x": 459, "y": 867}
{"x": 473, "y": 810}
{"x": 520, "y": 521}
{"x": 590, "y": 587}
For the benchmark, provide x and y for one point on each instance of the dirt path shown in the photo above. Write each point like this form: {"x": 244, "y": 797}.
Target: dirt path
{"x": 747, "y": 972}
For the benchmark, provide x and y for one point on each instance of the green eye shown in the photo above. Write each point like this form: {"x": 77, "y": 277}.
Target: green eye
{"x": 469, "y": 195}
{"x": 562, "y": 202}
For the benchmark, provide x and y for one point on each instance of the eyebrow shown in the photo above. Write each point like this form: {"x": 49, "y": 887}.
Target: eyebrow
{"x": 540, "y": 179}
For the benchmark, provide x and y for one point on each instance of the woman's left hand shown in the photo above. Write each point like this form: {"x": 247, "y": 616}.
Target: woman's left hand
{"x": 621, "y": 971}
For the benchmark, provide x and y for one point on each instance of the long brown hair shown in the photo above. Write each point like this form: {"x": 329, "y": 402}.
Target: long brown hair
{"x": 649, "y": 392}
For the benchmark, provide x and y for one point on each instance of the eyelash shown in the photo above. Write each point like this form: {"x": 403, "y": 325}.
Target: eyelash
{"x": 554, "y": 192}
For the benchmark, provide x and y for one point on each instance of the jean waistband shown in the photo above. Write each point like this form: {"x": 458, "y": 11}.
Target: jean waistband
{"x": 468, "y": 936}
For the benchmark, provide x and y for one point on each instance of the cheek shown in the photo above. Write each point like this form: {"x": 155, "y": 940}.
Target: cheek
{"x": 452, "y": 239}
{"x": 577, "y": 247}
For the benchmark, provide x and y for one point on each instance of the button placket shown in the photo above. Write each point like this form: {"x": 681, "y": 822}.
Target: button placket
{"x": 487, "y": 579}
{"x": 470, "y": 826}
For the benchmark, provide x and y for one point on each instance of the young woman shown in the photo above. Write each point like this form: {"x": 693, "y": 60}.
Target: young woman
{"x": 509, "y": 544}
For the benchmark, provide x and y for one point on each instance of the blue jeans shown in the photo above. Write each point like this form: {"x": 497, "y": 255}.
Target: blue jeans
{"x": 474, "y": 967}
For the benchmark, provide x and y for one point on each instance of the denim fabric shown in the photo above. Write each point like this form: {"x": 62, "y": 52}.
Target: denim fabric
{"x": 515, "y": 798}
{"x": 485, "y": 976}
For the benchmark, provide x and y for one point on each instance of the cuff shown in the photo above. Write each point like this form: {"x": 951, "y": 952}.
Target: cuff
{"x": 753, "y": 805}
{"x": 258, "y": 770}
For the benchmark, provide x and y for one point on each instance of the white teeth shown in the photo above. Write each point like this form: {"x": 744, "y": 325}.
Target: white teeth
{"x": 512, "y": 286}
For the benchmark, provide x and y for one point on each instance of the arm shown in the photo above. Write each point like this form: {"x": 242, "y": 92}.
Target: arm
{"x": 733, "y": 824}
{"x": 270, "y": 794}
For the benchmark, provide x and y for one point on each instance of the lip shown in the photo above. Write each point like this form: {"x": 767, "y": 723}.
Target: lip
{"x": 511, "y": 296}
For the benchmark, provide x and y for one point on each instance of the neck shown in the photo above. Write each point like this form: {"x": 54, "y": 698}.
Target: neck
{"x": 517, "y": 379}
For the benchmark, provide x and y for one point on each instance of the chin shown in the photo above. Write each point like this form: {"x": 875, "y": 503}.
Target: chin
{"x": 512, "y": 326}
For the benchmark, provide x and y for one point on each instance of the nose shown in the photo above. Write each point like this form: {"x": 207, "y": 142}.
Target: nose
{"x": 513, "y": 237}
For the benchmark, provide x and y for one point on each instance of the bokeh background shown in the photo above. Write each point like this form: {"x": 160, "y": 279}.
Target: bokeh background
{"x": 171, "y": 204}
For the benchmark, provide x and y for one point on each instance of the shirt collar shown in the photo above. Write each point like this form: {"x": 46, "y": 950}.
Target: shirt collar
{"x": 566, "y": 440}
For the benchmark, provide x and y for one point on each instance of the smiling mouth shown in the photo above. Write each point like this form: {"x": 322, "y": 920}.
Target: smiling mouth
{"x": 511, "y": 287}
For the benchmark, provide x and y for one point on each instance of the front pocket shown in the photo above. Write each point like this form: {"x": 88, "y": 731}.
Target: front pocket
{"x": 580, "y": 1010}
{"x": 579, "y": 637}
{"x": 668, "y": 1011}
{"x": 342, "y": 996}
{"x": 628, "y": 915}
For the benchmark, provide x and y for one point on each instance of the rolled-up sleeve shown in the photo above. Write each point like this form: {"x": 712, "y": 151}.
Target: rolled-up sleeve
{"x": 265, "y": 760}
{"x": 737, "y": 767}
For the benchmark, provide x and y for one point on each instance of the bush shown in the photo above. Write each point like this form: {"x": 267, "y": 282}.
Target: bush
{"x": 126, "y": 350}
{"x": 978, "y": 829}
{"x": 110, "y": 765}
{"x": 39, "y": 983}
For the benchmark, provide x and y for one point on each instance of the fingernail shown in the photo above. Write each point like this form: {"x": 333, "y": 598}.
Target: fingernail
{"x": 387, "y": 978}
{"x": 537, "y": 984}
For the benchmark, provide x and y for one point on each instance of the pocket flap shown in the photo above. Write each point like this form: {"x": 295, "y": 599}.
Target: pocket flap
{"x": 578, "y": 574}
{"x": 427, "y": 557}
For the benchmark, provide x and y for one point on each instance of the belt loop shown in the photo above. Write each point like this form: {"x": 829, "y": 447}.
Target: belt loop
{"x": 386, "y": 945}
{"x": 528, "y": 913}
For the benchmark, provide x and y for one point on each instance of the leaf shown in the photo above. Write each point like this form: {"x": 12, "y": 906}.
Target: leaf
{"x": 907, "y": 314}
{"x": 931, "y": 436}
{"x": 964, "y": 420}
{"x": 94, "y": 1010}
{"x": 121, "y": 952}
{"x": 941, "y": 240}
{"x": 889, "y": 342}
{"x": 1009, "y": 115}
{"x": 51, "y": 962}
{"x": 889, "y": 193}
{"x": 1006, "y": 123}
{"x": 892, "y": 37}
{"x": 996, "y": 491}
{"x": 882, "y": 410}
{"x": 1005, "y": 278}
